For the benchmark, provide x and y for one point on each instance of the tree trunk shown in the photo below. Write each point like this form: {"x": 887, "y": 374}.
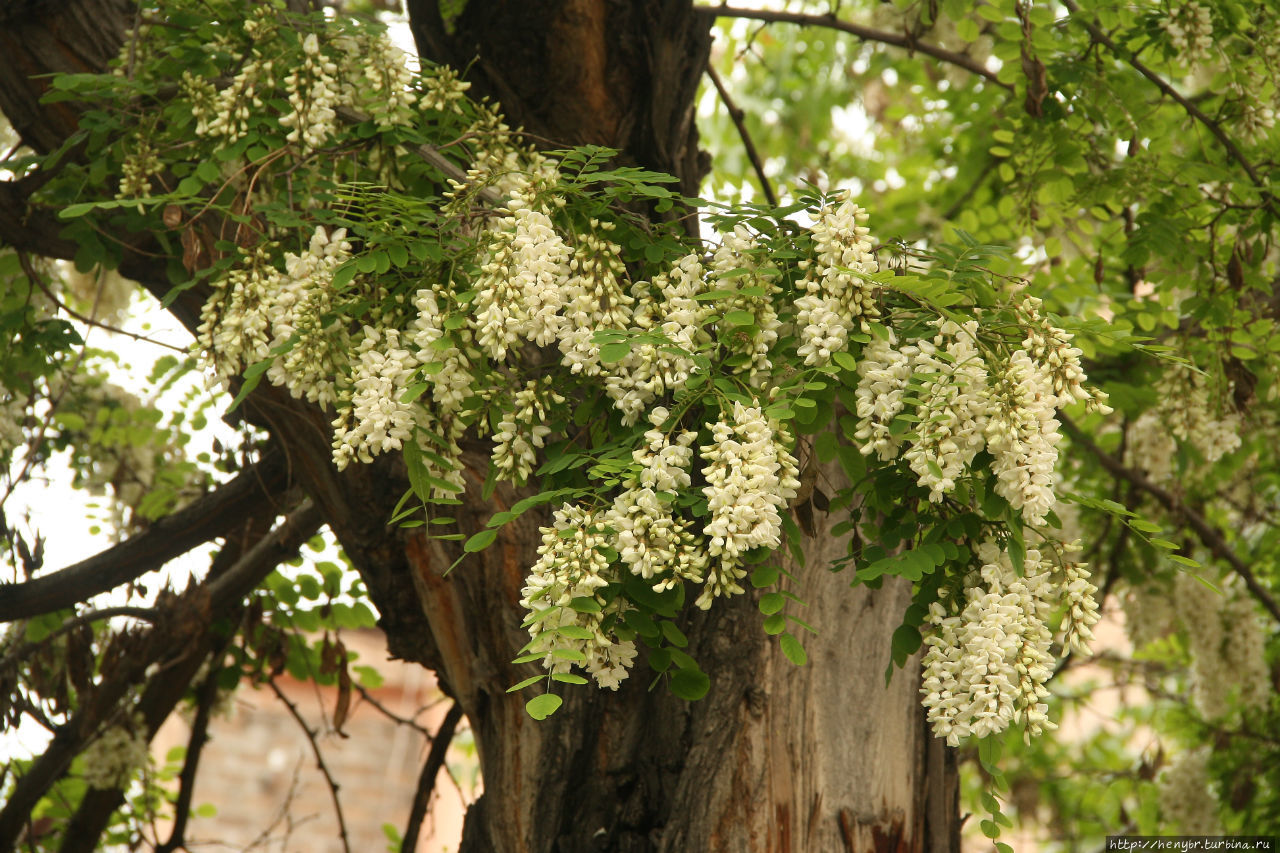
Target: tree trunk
{"x": 778, "y": 758}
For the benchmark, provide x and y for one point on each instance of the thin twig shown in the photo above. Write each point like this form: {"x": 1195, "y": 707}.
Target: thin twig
{"x": 735, "y": 113}
{"x": 859, "y": 31}
{"x": 427, "y": 781}
{"x": 366, "y": 696}
{"x": 89, "y": 321}
{"x": 324, "y": 768}
{"x": 969, "y": 193}
{"x": 1100, "y": 37}
{"x": 1209, "y": 535}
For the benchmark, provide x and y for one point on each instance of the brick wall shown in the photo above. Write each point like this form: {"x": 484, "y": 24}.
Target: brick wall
{"x": 259, "y": 771}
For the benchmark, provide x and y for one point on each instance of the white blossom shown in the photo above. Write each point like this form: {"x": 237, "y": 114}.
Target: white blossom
{"x": 377, "y": 420}
{"x": 1022, "y": 436}
{"x": 571, "y": 566}
{"x": 1187, "y": 800}
{"x": 116, "y": 755}
{"x": 750, "y": 478}
{"x": 521, "y": 288}
{"x": 884, "y": 372}
{"x": 985, "y": 666}
{"x": 951, "y": 417}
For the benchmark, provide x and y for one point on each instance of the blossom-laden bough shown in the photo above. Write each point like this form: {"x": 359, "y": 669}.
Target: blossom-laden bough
{"x": 675, "y": 401}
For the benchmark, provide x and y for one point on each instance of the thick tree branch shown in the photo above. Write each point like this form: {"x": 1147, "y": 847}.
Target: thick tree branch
{"x": 1233, "y": 150}
{"x": 253, "y": 492}
{"x": 427, "y": 781}
{"x": 1209, "y": 535}
{"x": 185, "y": 625}
{"x": 735, "y": 113}
{"x": 941, "y": 54}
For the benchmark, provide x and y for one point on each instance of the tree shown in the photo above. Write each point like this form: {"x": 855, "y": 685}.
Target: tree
{"x": 901, "y": 423}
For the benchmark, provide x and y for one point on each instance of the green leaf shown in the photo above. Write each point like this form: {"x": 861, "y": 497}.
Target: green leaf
{"x": 521, "y": 685}
{"x": 740, "y": 318}
{"x": 674, "y": 635}
{"x": 771, "y": 603}
{"x": 690, "y": 684}
{"x": 568, "y": 678}
{"x": 541, "y": 707}
{"x": 792, "y": 649}
{"x": 480, "y": 541}
{"x": 614, "y": 352}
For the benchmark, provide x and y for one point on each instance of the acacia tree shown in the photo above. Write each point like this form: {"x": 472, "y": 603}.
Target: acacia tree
{"x": 531, "y": 407}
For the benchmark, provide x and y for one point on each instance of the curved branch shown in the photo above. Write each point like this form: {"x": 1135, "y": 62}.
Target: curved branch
{"x": 735, "y": 113}
{"x": 250, "y": 494}
{"x": 427, "y": 781}
{"x": 1209, "y": 535}
{"x": 1192, "y": 110}
{"x": 184, "y": 628}
{"x": 941, "y": 54}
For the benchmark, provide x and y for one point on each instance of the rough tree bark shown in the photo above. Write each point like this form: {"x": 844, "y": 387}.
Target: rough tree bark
{"x": 776, "y": 758}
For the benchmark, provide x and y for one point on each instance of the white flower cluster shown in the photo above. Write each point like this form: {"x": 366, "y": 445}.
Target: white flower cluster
{"x": 313, "y": 94}
{"x": 447, "y": 368}
{"x": 1187, "y": 800}
{"x": 444, "y": 91}
{"x": 302, "y": 300}
{"x": 258, "y": 308}
{"x": 235, "y": 322}
{"x": 141, "y": 163}
{"x": 650, "y": 541}
{"x": 986, "y": 665}
{"x": 736, "y": 266}
{"x": 1183, "y": 411}
{"x": 594, "y": 298}
{"x": 838, "y": 295}
{"x": 1190, "y": 31}
{"x": 365, "y": 72}
{"x": 377, "y": 80}
{"x": 884, "y": 371}
{"x": 1226, "y": 644}
{"x": 1022, "y": 436}
{"x": 520, "y": 288}
{"x": 963, "y": 404}
{"x": 1149, "y": 614}
{"x": 571, "y": 565}
{"x": 522, "y": 431}
{"x": 1051, "y": 349}
{"x": 952, "y": 412}
{"x": 116, "y": 755}
{"x": 378, "y": 419}
{"x": 1080, "y": 612}
{"x": 750, "y": 478}
{"x": 668, "y": 305}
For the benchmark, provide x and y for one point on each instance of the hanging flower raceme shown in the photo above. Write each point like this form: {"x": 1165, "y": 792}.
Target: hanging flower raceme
{"x": 1022, "y": 436}
{"x": 571, "y": 567}
{"x": 838, "y": 295}
{"x": 521, "y": 290}
{"x": 750, "y": 478}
